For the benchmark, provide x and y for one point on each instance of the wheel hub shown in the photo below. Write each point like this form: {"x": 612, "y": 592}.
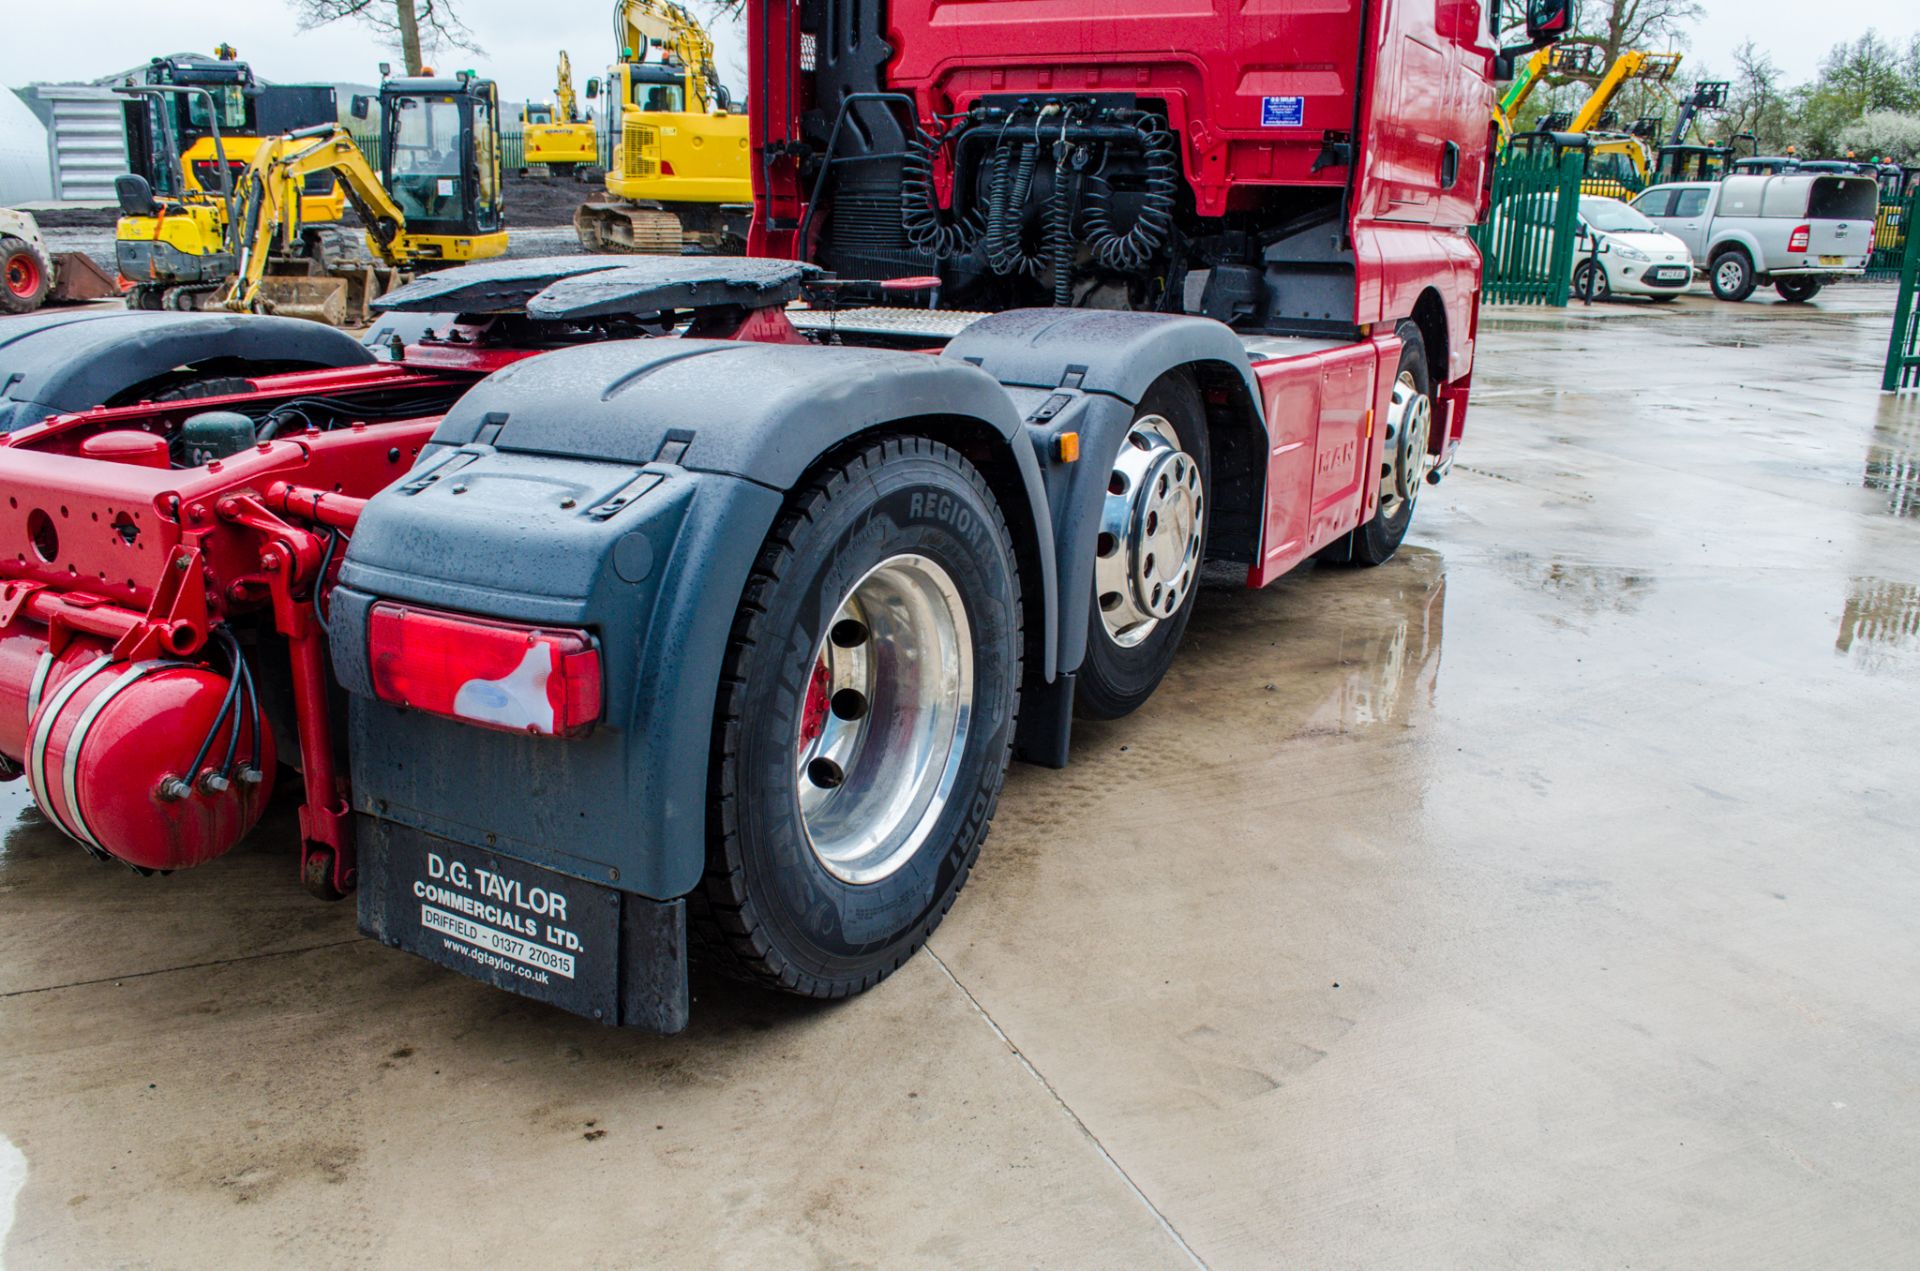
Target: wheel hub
{"x": 1151, "y": 531}
{"x": 1412, "y": 438}
{"x": 23, "y": 275}
{"x": 885, "y": 720}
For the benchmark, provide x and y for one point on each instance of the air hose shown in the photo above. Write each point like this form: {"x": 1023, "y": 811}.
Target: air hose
{"x": 1131, "y": 251}
{"x": 927, "y": 227}
{"x": 1010, "y": 182}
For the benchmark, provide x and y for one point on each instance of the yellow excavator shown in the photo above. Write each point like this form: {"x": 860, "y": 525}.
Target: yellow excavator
{"x": 680, "y": 178}
{"x": 192, "y": 127}
{"x": 555, "y": 135}
{"x": 435, "y": 201}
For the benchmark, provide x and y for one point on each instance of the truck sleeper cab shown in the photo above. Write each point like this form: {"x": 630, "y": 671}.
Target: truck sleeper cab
{"x": 733, "y": 592}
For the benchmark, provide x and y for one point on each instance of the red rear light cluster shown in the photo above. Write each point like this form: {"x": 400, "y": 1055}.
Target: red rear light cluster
{"x": 493, "y": 674}
{"x": 1801, "y": 240}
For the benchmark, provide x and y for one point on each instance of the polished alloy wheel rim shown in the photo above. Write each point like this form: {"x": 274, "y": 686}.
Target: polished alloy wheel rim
{"x": 1147, "y": 557}
{"x": 1412, "y": 439}
{"x": 888, "y": 709}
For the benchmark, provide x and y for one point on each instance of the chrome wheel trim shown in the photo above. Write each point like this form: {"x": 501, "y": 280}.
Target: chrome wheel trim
{"x": 1728, "y": 274}
{"x": 885, "y": 719}
{"x": 1411, "y": 435}
{"x": 1147, "y": 556}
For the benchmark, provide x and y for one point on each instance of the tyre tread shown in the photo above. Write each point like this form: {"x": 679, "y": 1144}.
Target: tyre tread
{"x": 723, "y": 930}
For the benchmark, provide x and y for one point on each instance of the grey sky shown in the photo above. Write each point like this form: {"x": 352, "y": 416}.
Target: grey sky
{"x": 82, "y": 39}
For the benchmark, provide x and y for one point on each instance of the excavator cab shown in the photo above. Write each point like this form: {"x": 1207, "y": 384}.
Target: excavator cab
{"x": 440, "y": 162}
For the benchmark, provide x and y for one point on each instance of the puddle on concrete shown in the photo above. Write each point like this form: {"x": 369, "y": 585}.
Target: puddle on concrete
{"x": 1392, "y": 666}
{"x": 1893, "y": 460}
{"x": 13, "y": 1177}
{"x": 1593, "y": 589}
{"x": 24, "y": 833}
{"x": 1880, "y": 623}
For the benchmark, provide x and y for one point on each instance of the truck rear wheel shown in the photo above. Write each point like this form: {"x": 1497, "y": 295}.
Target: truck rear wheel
{"x": 1798, "y": 291}
{"x": 864, "y": 721}
{"x": 1732, "y": 275}
{"x": 1146, "y": 567}
{"x": 26, "y": 275}
{"x": 1409, "y": 456}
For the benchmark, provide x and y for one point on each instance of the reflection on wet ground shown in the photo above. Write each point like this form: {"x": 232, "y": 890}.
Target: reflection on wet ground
{"x": 1881, "y": 622}
{"x": 1893, "y": 460}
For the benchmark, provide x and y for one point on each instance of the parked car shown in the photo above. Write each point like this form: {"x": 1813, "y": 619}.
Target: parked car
{"x": 1797, "y": 231}
{"x": 1620, "y": 252}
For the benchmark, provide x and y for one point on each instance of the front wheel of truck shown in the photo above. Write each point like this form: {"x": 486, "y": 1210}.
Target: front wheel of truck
{"x": 1407, "y": 460}
{"x": 864, "y": 721}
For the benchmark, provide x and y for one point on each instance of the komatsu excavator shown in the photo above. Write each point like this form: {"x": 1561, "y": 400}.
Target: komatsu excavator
{"x": 557, "y": 137}
{"x": 680, "y": 177}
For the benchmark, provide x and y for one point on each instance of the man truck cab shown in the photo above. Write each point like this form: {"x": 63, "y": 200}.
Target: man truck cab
{"x": 614, "y": 607}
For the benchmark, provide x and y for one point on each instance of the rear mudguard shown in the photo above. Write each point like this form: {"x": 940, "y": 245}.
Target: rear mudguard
{"x": 1083, "y": 371}
{"x": 625, "y": 488}
{"x": 52, "y": 363}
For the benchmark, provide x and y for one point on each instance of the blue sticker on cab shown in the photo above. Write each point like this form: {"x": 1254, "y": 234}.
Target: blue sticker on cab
{"x": 1283, "y": 112}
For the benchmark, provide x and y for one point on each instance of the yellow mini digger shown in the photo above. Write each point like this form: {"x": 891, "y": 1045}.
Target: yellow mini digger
{"x": 436, "y": 200}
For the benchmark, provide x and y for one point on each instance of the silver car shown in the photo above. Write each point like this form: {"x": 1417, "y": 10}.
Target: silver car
{"x": 1795, "y": 231}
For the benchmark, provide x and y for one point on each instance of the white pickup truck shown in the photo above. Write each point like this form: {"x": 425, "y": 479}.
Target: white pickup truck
{"x": 1796, "y": 231}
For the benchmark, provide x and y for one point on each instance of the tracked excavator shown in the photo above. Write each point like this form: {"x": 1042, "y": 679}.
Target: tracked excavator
{"x": 556, "y": 135}
{"x": 679, "y": 180}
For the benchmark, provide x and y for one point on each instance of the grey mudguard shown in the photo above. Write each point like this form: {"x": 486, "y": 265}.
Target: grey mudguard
{"x": 1084, "y": 370}
{"x": 56, "y": 362}
{"x": 495, "y": 286}
{"x": 1100, "y": 351}
{"x": 625, "y": 488}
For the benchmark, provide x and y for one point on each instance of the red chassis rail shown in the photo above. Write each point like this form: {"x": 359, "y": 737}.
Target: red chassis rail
{"x": 135, "y": 562}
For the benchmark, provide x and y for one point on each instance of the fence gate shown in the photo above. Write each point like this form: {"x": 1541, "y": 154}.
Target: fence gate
{"x": 1527, "y": 241}
{"x": 1890, "y": 231}
{"x": 1903, "y": 354}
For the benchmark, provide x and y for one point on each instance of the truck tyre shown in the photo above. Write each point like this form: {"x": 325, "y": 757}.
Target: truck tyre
{"x": 864, "y": 721}
{"x": 1407, "y": 459}
{"x": 26, "y": 275}
{"x": 1732, "y": 275}
{"x": 1798, "y": 291}
{"x": 1146, "y": 569}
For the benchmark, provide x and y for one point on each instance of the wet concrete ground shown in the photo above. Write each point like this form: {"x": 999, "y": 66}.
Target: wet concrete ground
{"x": 1545, "y": 898}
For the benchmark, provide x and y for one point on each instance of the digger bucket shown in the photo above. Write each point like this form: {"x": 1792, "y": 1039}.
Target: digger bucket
{"x": 320, "y": 299}
{"x": 78, "y": 279}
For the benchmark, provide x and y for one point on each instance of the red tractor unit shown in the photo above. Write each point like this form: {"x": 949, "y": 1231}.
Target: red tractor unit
{"x": 597, "y": 610}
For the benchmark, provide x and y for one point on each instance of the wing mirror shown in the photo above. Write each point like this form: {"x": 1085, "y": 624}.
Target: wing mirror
{"x": 1549, "y": 20}
{"x": 362, "y": 106}
{"x": 593, "y": 88}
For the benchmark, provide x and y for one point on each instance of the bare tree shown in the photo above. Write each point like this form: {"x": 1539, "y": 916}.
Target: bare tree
{"x": 1616, "y": 26}
{"x": 414, "y": 27}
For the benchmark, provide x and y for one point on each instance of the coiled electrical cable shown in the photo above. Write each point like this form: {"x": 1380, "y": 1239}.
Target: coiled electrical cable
{"x": 1133, "y": 249}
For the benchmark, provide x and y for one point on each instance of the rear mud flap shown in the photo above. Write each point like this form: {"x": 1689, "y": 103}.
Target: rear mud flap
{"x": 608, "y": 955}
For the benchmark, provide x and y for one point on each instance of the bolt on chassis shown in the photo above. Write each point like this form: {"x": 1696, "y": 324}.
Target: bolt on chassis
{"x": 606, "y": 607}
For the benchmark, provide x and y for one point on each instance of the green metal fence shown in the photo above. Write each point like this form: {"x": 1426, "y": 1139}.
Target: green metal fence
{"x": 1890, "y": 235}
{"x": 1527, "y": 242}
{"x": 1903, "y": 351}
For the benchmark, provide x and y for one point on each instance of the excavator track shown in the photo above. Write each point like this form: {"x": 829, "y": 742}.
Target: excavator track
{"x": 629, "y": 229}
